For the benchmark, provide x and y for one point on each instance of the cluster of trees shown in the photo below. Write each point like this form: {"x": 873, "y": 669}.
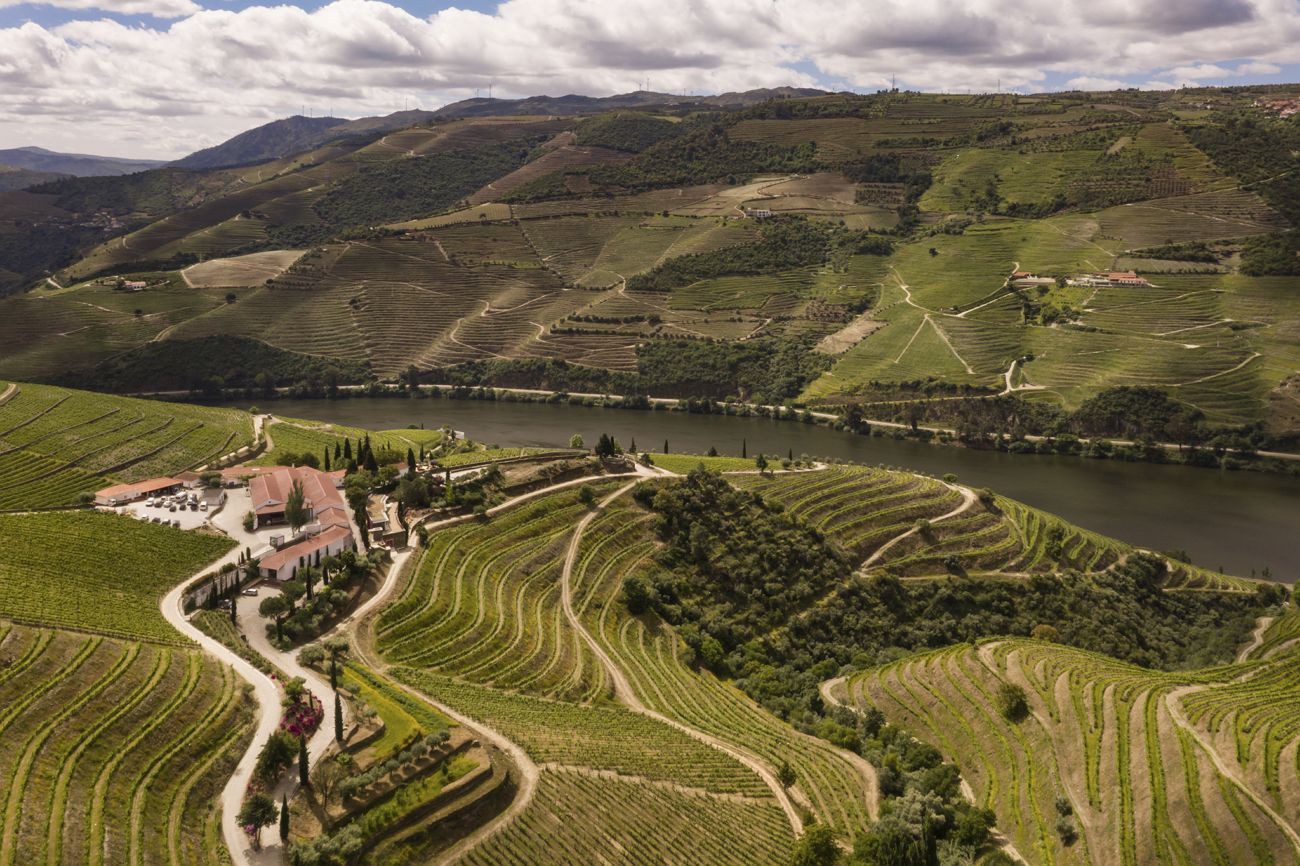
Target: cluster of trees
{"x": 1258, "y": 150}
{"x": 1277, "y": 254}
{"x": 408, "y": 188}
{"x": 736, "y": 577}
{"x": 1191, "y": 251}
{"x": 631, "y": 131}
{"x": 703, "y": 152}
{"x": 786, "y": 242}
{"x": 763, "y": 370}
{"x": 301, "y": 609}
{"x": 891, "y": 168}
{"x": 213, "y": 365}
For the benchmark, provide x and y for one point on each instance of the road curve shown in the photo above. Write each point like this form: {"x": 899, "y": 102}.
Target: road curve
{"x": 268, "y": 719}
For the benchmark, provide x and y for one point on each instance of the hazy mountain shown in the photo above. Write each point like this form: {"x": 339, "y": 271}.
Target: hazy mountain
{"x": 39, "y": 159}
{"x": 12, "y": 177}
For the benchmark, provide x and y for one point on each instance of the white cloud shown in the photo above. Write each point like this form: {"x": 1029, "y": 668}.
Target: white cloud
{"x": 157, "y": 8}
{"x": 169, "y": 89}
{"x": 1255, "y": 68}
{"x": 1088, "y": 82}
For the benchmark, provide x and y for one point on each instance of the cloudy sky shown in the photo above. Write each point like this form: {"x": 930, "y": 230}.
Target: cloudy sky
{"x": 162, "y": 78}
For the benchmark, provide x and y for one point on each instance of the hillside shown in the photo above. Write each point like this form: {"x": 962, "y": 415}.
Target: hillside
{"x": 13, "y": 178}
{"x": 58, "y": 445}
{"x": 920, "y": 248}
{"x": 556, "y": 623}
{"x": 1106, "y": 763}
{"x": 77, "y": 164}
{"x": 117, "y": 735}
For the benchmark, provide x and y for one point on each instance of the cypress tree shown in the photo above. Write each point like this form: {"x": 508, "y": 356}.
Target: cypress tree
{"x": 338, "y": 718}
{"x": 338, "y": 451}
{"x": 347, "y": 449}
{"x": 284, "y": 818}
{"x": 410, "y": 462}
{"x": 665, "y": 446}
{"x": 327, "y": 459}
{"x": 790, "y": 455}
{"x": 304, "y": 772}
{"x": 633, "y": 448}
{"x": 744, "y": 448}
{"x": 234, "y": 605}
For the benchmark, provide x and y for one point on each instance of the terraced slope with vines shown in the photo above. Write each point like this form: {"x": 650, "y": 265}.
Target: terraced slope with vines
{"x": 1125, "y": 750}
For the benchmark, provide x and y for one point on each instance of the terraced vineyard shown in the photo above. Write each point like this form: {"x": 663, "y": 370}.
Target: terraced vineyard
{"x": 579, "y": 814}
{"x": 1148, "y": 762}
{"x": 102, "y": 573}
{"x": 484, "y": 606}
{"x": 838, "y": 788}
{"x": 113, "y": 751}
{"x": 862, "y": 509}
{"x": 56, "y": 443}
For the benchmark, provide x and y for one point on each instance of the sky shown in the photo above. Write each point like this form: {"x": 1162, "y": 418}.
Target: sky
{"x": 162, "y": 78}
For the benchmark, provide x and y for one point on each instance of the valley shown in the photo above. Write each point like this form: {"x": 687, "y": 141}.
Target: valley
{"x": 781, "y": 477}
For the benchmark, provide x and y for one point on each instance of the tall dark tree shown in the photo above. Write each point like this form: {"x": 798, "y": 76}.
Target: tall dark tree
{"x": 744, "y": 448}
{"x": 338, "y": 718}
{"x": 284, "y": 818}
{"x": 347, "y": 449}
{"x": 326, "y": 464}
{"x": 665, "y": 446}
{"x": 410, "y": 462}
{"x": 234, "y": 609}
{"x": 304, "y": 771}
{"x": 338, "y": 451}
{"x": 295, "y": 507}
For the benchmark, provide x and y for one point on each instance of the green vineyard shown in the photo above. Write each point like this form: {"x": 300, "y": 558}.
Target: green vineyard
{"x": 1154, "y": 767}
{"x": 113, "y": 751}
{"x": 97, "y": 572}
{"x": 56, "y": 443}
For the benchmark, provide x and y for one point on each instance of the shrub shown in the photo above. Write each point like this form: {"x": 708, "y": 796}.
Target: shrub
{"x": 1012, "y": 702}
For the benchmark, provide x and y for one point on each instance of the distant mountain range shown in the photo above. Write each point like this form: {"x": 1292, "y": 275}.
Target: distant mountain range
{"x": 281, "y": 138}
{"x": 38, "y": 159}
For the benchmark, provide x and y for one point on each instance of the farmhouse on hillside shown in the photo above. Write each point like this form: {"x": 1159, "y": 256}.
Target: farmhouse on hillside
{"x": 328, "y": 532}
{"x": 1110, "y": 278}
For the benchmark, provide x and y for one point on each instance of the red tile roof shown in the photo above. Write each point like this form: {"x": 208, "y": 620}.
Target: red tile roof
{"x": 304, "y": 548}
{"x": 270, "y": 490}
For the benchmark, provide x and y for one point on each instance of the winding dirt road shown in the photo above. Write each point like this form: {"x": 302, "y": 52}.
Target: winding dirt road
{"x": 624, "y": 692}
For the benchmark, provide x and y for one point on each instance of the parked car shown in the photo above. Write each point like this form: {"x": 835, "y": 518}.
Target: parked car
{"x": 252, "y": 590}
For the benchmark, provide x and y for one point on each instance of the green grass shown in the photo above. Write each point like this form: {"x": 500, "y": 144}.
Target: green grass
{"x": 404, "y": 717}
{"x": 684, "y": 463}
{"x": 295, "y": 437}
{"x": 114, "y": 751}
{"x": 97, "y": 572}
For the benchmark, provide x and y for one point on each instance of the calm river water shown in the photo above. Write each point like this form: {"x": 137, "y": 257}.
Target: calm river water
{"x": 1237, "y": 520}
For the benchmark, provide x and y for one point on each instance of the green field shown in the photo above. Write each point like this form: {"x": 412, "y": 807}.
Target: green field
{"x": 103, "y": 573}
{"x": 57, "y": 443}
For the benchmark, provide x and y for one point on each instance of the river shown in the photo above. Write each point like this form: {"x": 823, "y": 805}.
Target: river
{"x": 1238, "y": 520}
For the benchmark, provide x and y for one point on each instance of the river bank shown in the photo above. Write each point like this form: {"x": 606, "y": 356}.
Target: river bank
{"x": 1242, "y": 521}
